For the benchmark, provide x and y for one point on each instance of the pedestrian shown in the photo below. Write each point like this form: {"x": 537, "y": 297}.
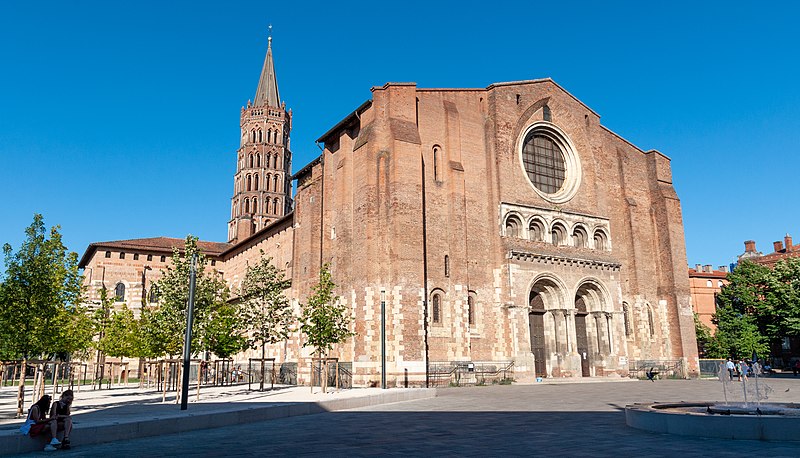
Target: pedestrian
{"x": 37, "y": 420}
{"x": 796, "y": 367}
{"x": 743, "y": 368}
{"x": 731, "y": 368}
{"x": 61, "y": 420}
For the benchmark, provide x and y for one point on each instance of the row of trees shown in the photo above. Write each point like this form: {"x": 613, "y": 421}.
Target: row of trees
{"x": 756, "y": 310}
{"x": 41, "y": 316}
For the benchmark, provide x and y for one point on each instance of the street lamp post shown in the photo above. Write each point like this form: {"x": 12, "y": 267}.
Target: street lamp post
{"x": 187, "y": 345}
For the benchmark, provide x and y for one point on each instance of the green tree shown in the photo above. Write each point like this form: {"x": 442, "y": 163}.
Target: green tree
{"x": 264, "y": 306}
{"x": 325, "y": 321}
{"x": 781, "y": 312}
{"x": 40, "y": 314}
{"x": 224, "y": 333}
{"x": 120, "y": 337}
{"x": 163, "y": 327}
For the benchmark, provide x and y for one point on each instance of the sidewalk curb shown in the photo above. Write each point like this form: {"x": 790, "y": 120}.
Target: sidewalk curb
{"x": 182, "y": 421}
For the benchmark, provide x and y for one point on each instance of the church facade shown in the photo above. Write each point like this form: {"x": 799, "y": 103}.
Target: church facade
{"x": 493, "y": 224}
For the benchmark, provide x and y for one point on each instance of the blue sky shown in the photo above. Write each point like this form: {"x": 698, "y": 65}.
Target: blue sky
{"x": 121, "y": 120}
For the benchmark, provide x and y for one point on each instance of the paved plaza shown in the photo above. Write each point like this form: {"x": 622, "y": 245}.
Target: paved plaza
{"x": 568, "y": 419}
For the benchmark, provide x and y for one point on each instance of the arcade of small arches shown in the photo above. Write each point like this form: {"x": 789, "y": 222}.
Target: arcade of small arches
{"x": 259, "y": 136}
{"x": 254, "y": 160}
{"x": 250, "y": 206}
{"x": 253, "y": 182}
{"x": 557, "y": 232}
{"x": 571, "y": 333}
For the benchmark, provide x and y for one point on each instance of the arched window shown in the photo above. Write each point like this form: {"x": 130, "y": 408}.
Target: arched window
{"x": 119, "y": 292}
{"x": 275, "y": 181}
{"x": 249, "y": 182}
{"x": 267, "y": 180}
{"x": 471, "y": 308}
{"x": 153, "y": 294}
{"x": 258, "y": 160}
{"x": 559, "y": 235}
{"x": 276, "y": 136}
{"x": 259, "y": 136}
{"x": 579, "y": 237}
{"x": 626, "y": 312}
{"x": 436, "y": 309}
{"x": 437, "y": 152}
{"x": 651, "y": 321}
{"x": 253, "y": 136}
{"x": 599, "y": 240}
{"x": 275, "y": 207}
{"x": 247, "y": 205}
{"x": 536, "y": 230}
{"x": 277, "y": 156}
{"x": 250, "y": 157}
{"x": 255, "y": 182}
{"x": 275, "y": 161}
{"x": 513, "y": 226}
{"x": 255, "y": 204}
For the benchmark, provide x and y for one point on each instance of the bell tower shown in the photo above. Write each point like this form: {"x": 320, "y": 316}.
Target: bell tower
{"x": 261, "y": 184}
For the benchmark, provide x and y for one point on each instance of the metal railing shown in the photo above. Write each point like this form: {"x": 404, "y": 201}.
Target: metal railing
{"x": 469, "y": 373}
{"x": 665, "y": 368}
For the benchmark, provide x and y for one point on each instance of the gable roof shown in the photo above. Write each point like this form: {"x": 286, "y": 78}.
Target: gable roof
{"x": 152, "y": 244}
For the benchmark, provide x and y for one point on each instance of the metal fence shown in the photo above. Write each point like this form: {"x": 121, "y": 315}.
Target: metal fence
{"x": 340, "y": 374}
{"x": 710, "y": 367}
{"x": 467, "y": 373}
{"x": 665, "y": 368}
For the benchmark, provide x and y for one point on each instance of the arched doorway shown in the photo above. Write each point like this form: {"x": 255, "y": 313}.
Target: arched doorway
{"x": 592, "y": 328}
{"x": 545, "y": 295}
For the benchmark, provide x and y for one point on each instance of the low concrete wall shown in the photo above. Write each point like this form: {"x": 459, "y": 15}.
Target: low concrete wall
{"x": 11, "y": 442}
{"x": 749, "y": 427}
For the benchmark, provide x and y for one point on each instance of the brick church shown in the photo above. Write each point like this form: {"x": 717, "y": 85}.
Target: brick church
{"x": 494, "y": 224}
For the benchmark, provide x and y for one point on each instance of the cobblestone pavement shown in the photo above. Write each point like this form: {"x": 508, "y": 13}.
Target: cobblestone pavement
{"x": 561, "y": 419}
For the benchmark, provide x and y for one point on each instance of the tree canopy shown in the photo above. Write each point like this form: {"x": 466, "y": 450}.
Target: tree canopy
{"x": 162, "y": 327}
{"x": 40, "y": 296}
{"x": 325, "y": 321}
{"x": 758, "y": 306}
{"x": 264, "y": 307}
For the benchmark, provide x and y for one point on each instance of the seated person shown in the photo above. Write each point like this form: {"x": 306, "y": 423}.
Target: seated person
{"x": 37, "y": 420}
{"x": 61, "y": 420}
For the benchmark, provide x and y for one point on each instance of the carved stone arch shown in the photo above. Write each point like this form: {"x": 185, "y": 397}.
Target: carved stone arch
{"x": 601, "y": 298}
{"x": 559, "y": 236}
{"x": 512, "y": 224}
{"x": 537, "y": 228}
{"x": 554, "y": 288}
{"x": 600, "y": 239}
{"x": 580, "y": 236}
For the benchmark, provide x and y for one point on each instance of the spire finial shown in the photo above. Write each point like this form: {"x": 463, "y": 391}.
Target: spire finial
{"x": 269, "y": 39}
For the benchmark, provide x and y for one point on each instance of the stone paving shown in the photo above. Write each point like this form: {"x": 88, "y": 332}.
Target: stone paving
{"x": 579, "y": 419}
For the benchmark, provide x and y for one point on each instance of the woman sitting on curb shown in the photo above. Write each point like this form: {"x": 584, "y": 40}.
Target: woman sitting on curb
{"x": 61, "y": 420}
{"x": 37, "y": 420}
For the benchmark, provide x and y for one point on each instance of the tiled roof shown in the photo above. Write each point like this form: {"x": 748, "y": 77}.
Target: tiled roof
{"x": 712, "y": 274}
{"x": 157, "y": 244}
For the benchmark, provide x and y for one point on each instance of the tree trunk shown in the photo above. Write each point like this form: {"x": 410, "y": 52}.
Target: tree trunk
{"x": 21, "y": 389}
{"x": 263, "y": 353}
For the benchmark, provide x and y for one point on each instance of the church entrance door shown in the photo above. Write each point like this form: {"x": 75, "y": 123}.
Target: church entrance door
{"x": 536, "y": 318}
{"x": 582, "y": 343}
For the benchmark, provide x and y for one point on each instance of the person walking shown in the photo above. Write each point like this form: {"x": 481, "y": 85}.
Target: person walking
{"x": 731, "y": 368}
{"x": 796, "y": 367}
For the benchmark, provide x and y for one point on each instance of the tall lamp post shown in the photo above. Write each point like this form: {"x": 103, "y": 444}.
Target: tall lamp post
{"x": 187, "y": 345}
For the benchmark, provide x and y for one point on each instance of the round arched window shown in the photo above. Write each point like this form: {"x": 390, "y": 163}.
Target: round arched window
{"x": 544, "y": 162}
{"x": 549, "y": 161}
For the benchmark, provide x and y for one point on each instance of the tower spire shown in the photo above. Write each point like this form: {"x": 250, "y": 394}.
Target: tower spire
{"x": 267, "y": 91}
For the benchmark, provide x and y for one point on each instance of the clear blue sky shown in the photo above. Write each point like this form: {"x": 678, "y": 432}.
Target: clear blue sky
{"x": 122, "y": 120}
